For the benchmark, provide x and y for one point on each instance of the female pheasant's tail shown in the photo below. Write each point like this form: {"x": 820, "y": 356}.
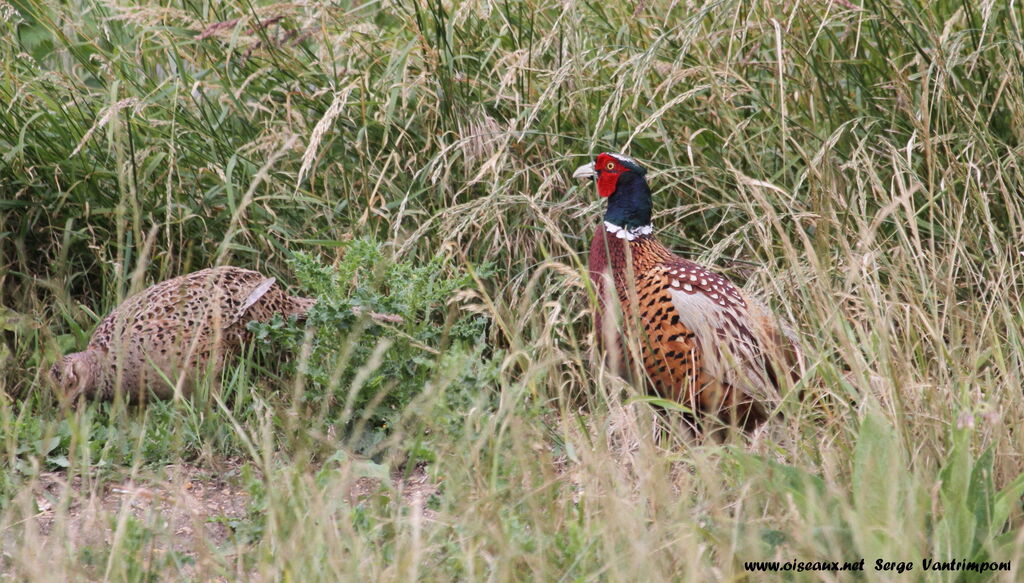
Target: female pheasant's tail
{"x": 299, "y": 306}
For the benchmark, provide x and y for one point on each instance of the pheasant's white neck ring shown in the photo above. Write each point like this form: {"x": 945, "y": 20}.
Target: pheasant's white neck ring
{"x": 628, "y": 233}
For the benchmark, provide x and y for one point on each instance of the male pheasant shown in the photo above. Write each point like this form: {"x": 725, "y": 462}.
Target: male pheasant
{"x": 171, "y": 331}
{"x": 704, "y": 342}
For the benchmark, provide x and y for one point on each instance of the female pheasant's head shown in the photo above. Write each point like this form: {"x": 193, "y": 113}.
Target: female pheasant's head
{"x": 621, "y": 180}
{"x": 76, "y": 374}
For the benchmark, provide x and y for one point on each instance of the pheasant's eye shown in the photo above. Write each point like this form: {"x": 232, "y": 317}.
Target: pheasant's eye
{"x": 610, "y": 166}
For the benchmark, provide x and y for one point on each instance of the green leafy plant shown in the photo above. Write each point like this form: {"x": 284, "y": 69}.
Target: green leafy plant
{"x": 380, "y": 332}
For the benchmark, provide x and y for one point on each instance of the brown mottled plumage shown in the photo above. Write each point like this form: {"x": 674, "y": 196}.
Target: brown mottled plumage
{"x": 172, "y": 332}
{"x": 705, "y": 343}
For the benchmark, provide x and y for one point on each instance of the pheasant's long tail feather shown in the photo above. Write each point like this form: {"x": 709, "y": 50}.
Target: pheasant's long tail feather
{"x": 300, "y": 306}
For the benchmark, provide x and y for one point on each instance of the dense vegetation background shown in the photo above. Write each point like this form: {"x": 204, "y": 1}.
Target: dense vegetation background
{"x": 857, "y": 163}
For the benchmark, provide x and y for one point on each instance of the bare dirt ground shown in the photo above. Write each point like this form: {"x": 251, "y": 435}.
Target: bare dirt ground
{"x": 194, "y": 504}
{"x": 193, "y": 510}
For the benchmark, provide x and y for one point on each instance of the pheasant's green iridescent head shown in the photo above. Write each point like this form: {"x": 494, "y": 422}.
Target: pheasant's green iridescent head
{"x": 622, "y": 181}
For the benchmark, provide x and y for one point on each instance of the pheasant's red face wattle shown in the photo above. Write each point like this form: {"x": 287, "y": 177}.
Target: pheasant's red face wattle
{"x": 606, "y": 183}
{"x": 608, "y": 171}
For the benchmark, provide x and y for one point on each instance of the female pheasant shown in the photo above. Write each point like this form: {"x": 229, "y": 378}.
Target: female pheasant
{"x": 170, "y": 332}
{"x": 704, "y": 342}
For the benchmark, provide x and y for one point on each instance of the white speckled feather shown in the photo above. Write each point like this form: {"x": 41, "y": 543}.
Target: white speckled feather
{"x": 734, "y": 356}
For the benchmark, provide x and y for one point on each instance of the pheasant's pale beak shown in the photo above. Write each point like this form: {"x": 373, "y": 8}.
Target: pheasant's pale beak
{"x": 585, "y": 171}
